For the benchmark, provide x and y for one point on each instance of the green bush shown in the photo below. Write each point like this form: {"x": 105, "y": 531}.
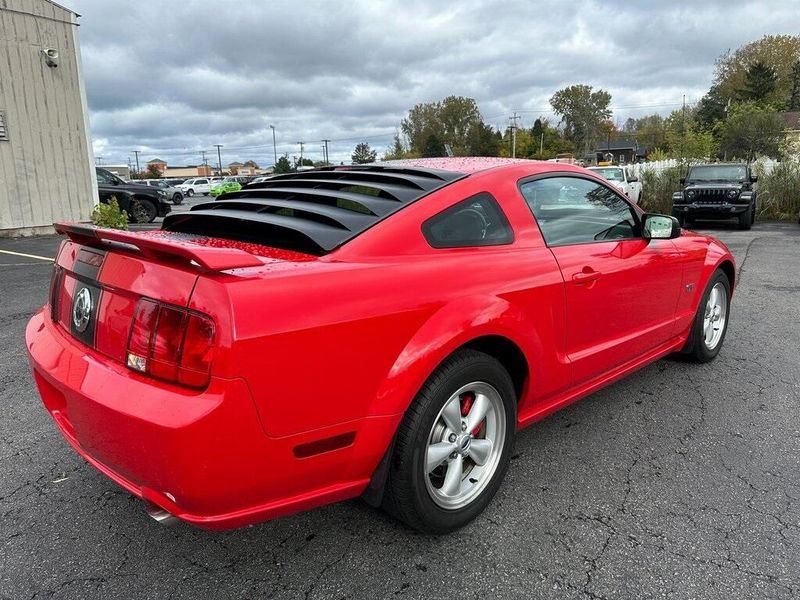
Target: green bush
{"x": 658, "y": 187}
{"x": 779, "y": 191}
{"x": 109, "y": 215}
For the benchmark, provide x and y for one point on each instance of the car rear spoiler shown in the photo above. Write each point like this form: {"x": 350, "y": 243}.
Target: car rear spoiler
{"x": 208, "y": 257}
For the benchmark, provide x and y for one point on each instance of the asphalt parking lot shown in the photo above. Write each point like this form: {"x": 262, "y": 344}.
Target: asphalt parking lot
{"x": 682, "y": 481}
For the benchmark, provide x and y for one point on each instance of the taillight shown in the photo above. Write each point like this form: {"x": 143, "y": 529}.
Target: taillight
{"x": 171, "y": 343}
{"x": 55, "y": 288}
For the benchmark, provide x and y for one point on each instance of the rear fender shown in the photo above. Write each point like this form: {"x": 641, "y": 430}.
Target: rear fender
{"x": 451, "y": 327}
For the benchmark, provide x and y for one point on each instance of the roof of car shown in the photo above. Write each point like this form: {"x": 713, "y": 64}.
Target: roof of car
{"x": 457, "y": 164}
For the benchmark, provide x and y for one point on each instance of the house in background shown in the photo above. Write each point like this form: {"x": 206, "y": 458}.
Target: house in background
{"x": 46, "y": 157}
{"x": 177, "y": 172}
{"x": 157, "y": 163}
{"x": 249, "y": 168}
{"x": 620, "y": 151}
{"x": 233, "y": 168}
{"x": 791, "y": 128}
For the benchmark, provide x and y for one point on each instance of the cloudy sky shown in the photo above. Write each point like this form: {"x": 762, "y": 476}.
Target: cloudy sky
{"x": 173, "y": 79}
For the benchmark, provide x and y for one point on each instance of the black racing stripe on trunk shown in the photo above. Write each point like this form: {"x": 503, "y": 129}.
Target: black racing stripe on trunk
{"x": 89, "y": 262}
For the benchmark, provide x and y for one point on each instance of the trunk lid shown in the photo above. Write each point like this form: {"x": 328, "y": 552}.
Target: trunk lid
{"x": 102, "y": 275}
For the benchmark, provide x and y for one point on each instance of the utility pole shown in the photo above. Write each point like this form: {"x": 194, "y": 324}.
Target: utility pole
{"x": 274, "y": 147}
{"x": 136, "y": 153}
{"x": 301, "y": 152}
{"x": 327, "y": 162}
{"x": 205, "y": 162}
{"x": 541, "y": 143}
{"x": 219, "y": 159}
{"x": 514, "y": 134}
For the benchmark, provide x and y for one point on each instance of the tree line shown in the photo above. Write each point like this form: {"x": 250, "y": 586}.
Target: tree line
{"x": 738, "y": 118}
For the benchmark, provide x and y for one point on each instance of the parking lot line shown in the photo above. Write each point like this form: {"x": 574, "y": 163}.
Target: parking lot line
{"x": 26, "y": 255}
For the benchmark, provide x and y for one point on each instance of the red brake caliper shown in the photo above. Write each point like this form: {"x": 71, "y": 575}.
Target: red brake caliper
{"x": 467, "y": 400}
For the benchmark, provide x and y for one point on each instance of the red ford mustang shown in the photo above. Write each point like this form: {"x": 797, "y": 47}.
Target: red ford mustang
{"x": 380, "y": 330}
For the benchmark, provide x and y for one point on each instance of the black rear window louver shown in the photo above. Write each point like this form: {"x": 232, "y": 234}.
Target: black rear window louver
{"x": 311, "y": 211}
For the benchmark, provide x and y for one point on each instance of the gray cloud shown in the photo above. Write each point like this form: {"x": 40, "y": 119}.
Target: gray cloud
{"x": 173, "y": 80}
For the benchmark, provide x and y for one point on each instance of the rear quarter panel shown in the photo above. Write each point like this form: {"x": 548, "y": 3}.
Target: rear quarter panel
{"x": 356, "y": 334}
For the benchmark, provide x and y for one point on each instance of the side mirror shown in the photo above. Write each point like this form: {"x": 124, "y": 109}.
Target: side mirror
{"x": 753, "y": 178}
{"x": 660, "y": 227}
{"x": 683, "y": 180}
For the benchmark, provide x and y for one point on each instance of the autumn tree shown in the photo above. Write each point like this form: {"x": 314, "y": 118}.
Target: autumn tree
{"x": 582, "y": 110}
{"x": 455, "y": 120}
{"x": 363, "y": 154}
{"x": 711, "y": 109}
{"x": 794, "y": 99}
{"x": 685, "y": 140}
{"x": 546, "y": 141}
{"x": 759, "y": 82}
{"x": 396, "y": 150}
{"x": 648, "y": 130}
{"x": 751, "y": 131}
{"x": 777, "y": 51}
{"x": 483, "y": 140}
{"x": 152, "y": 172}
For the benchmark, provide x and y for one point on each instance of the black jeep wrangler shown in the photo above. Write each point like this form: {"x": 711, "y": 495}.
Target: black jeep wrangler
{"x": 717, "y": 191}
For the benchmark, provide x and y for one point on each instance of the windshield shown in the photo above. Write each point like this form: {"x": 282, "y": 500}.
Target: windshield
{"x": 610, "y": 174}
{"x": 718, "y": 173}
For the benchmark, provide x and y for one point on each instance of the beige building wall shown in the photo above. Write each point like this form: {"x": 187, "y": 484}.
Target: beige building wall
{"x": 183, "y": 172}
{"x": 46, "y": 164}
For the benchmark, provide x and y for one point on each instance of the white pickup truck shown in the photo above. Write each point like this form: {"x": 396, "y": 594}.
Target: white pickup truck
{"x": 623, "y": 179}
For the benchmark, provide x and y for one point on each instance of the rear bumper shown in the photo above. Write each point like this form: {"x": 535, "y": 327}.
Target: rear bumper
{"x": 201, "y": 456}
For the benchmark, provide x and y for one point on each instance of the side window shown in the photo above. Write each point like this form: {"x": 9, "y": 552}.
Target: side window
{"x": 103, "y": 177}
{"x": 201, "y": 182}
{"x": 571, "y": 210}
{"x": 476, "y": 221}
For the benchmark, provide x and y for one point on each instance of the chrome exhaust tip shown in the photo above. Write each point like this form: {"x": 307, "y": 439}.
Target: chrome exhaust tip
{"x": 159, "y": 515}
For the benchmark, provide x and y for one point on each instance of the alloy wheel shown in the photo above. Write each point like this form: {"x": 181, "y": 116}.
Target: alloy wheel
{"x": 715, "y": 316}
{"x": 464, "y": 445}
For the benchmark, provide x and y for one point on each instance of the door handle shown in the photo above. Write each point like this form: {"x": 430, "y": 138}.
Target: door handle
{"x": 586, "y": 276}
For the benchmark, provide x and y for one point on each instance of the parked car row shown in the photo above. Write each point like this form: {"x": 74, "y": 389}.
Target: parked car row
{"x": 711, "y": 191}
{"x": 143, "y": 203}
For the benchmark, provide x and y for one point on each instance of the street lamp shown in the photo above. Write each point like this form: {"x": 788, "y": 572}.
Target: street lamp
{"x": 274, "y": 147}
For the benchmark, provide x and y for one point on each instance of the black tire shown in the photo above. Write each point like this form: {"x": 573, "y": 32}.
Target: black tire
{"x": 205, "y": 193}
{"x": 189, "y": 193}
{"x": 143, "y": 210}
{"x": 177, "y": 198}
{"x": 406, "y": 495}
{"x": 695, "y": 348}
{"x": 753, "y": 215}
{"x": 681, "y": 218}
{"x": 745, "y": 220}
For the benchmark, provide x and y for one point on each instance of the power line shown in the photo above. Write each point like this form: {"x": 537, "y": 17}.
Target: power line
{"x": 326, "y": 150}
{"x": 136, "y": 152}
{"x": 513, "y": 120}
{"x": 219, "y": 159}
